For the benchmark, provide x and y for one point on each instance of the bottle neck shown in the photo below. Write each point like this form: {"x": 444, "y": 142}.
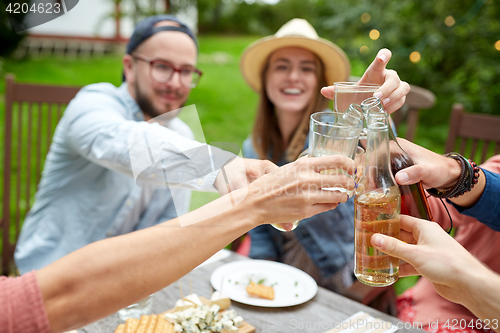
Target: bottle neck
{"x": 372, "y": 106}
{"x": 378, "y": 155}
{"x": 377, "y": 149}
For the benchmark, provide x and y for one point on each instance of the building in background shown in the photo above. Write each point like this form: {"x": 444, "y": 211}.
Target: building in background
{"x": 95, "y": 27}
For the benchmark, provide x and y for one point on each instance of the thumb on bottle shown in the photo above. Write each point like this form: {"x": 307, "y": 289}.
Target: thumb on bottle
{"x": 410, "y": 175}
{"x": 402, "y": 177}
{"x": 392, "y": 246}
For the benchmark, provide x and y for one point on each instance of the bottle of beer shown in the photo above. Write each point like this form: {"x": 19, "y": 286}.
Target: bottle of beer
{"x": 376, "y": 207}
{"x": 413, "y": 199}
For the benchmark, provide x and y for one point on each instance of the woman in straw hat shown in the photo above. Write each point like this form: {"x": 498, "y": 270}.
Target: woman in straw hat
{"x": 288, "y": 70}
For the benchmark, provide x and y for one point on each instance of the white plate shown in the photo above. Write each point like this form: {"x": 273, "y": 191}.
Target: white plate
{"x": 222, "y": 254}
{"x": 291, "y": 285}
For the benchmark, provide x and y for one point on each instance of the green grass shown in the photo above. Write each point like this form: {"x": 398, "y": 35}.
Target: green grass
{"x": 225, "y": 104}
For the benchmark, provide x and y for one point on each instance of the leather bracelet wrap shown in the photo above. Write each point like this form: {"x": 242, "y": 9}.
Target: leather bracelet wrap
{"x": 466, "y": 181}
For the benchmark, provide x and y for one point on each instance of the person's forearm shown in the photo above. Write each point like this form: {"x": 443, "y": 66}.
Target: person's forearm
{"x": 103, "y": 277}
{"x": 484, "y": 297}
{"x": 439, "y": 172}
{"x": 149, "y": 153}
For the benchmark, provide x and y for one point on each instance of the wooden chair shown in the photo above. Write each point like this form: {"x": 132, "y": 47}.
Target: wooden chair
{"x": 31, "y": 115}
{"x": 417, "y": 99}
{"x": 474, "y": 131}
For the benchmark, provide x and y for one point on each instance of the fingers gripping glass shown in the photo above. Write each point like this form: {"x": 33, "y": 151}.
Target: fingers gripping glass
{"x": 162, "y": 71}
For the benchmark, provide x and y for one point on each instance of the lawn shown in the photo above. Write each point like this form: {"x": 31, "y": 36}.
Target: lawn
{"x": 225, "y": 104}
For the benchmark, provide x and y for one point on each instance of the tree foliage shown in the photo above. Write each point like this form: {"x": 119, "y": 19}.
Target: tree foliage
{"x": 458, "y": 59}
{"x": 9, "y": 39}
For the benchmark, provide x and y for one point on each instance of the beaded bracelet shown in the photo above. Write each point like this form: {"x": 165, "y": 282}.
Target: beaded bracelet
{"x": 468, "y": 178}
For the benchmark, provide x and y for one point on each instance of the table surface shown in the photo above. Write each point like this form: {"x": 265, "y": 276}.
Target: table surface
{"x": 319, "y": 314}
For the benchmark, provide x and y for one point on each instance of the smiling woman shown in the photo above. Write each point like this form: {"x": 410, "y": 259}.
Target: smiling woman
{"x": 287, "y": 70}
{"x": 292, "y": 76}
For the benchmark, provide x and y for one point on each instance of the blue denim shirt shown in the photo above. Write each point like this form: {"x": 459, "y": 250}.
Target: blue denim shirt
{"x": 88, "y": 189}
{"x": 328, "y": 238}
{"x": 487, "y": 209}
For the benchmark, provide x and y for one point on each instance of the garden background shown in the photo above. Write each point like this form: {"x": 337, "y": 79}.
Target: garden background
{"x": 451, "y": 48}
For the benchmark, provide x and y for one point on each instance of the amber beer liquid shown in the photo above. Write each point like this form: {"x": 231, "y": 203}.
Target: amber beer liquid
{"x": 377, "y": 204}
{"x": 413, "y": 198}
{"x": 375, "y": 212}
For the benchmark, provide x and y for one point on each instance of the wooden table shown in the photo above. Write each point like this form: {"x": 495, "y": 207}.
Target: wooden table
{"x": 320, "y": 314}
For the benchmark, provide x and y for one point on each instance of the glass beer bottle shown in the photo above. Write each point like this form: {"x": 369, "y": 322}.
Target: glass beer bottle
{"x": 376, "y": 207}
{"x": 413, "y": 199}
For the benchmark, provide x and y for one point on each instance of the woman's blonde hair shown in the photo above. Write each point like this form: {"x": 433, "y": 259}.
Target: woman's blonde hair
{"x": 266, "y": 134}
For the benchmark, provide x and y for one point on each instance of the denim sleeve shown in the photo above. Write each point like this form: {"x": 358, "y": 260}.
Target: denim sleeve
{"x": 97, "y": 129}
{"x": 248, "y": 149}
{"x": 487, "y": 209}
{"x": 328, "y": 238}
{"x": 264, "y": 246}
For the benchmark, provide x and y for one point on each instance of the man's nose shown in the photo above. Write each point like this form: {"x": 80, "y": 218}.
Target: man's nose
{"x": 175, "y": 80}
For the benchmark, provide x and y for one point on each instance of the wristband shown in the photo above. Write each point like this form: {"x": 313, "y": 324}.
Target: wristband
{"x": 468, "y": 178}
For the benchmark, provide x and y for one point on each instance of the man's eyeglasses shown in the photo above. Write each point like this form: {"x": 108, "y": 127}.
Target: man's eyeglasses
{"x": 162, "y": 71}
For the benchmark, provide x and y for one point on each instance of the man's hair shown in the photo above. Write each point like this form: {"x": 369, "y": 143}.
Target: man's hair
{"x": 146, "y": 28}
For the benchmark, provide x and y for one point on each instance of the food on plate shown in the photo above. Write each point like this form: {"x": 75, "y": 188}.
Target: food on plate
{"x": 143, "y": 322}
{"x": 201, "y": 316}
{"x": 205, "y": 319}
{"x": 131, "y": 325}
{"x": 163, "y": 326}
{"x": 260, "y": 290}
{"x": 147, "y": 324}
{"x": 120, "y": 328}
{"x": 190, "y": 301}
{"x": 220, "y": 300}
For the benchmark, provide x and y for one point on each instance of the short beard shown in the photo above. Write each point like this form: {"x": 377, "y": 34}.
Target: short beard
{"x": 144, "y": 103}
{"x": 147, "y": 107}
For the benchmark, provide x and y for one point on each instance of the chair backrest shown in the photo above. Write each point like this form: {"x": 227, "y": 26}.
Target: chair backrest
{"x": 417, "y": 99}
{"x": 477, "y": 132}
{"x": 31, "y": 115}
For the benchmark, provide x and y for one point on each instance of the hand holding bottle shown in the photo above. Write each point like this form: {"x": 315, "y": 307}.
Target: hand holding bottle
{"x": 432, "y": 169}
{"x": 455, "y": 274}
{"x": 436, "y": 171}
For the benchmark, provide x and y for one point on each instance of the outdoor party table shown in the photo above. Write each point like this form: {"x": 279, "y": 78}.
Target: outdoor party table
{"x": 320, "y": 314}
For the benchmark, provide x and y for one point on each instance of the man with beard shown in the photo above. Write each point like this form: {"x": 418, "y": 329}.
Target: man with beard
{"x": 89, "y": 188}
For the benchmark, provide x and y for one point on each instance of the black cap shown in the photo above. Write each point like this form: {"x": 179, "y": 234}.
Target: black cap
{"x": 146, "y": 28}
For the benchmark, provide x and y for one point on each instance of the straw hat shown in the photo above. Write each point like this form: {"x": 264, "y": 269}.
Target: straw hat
{"x": 294, "y": 33}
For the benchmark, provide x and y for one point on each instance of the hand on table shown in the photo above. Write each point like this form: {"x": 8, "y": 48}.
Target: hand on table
{"x": 392, "y": 92}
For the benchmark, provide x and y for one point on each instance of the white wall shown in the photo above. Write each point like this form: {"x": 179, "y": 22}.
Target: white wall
{"x": 89, "y": 18}
{"x": 92, "y": 18}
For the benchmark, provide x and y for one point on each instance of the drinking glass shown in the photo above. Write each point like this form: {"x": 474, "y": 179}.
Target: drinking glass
{"x": 330, "y": 133}
{"x": 349, "y": 96}
{"x": 347, "y": 93}
{"x": 359, "y": 161}
{"x": 136, "y": 310}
